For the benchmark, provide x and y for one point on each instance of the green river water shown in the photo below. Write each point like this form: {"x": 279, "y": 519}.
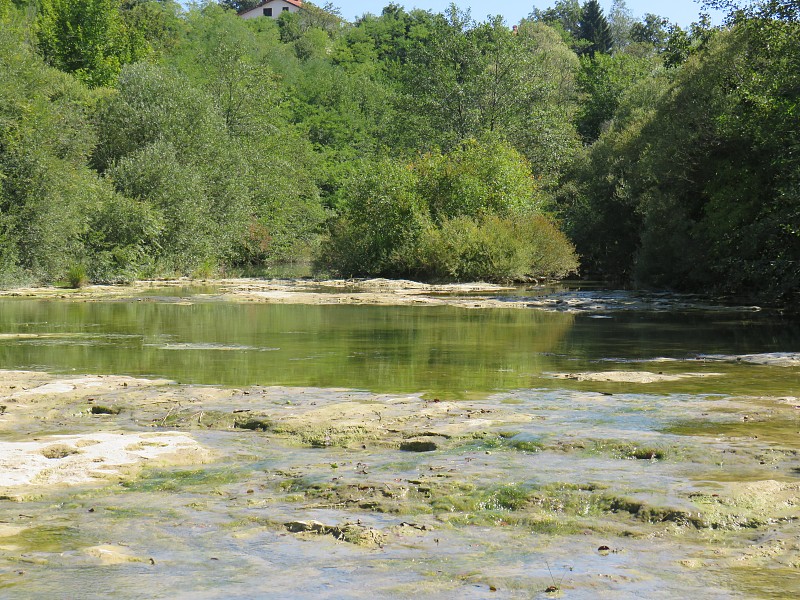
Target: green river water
{"x": 437, "y": 350}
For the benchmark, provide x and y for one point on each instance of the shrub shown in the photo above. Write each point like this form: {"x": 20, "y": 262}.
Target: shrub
{"x": 471, "y": 214}
{"x": 382, "y": 216}
{"x": 76, "y": 276}
{"x": 477, "y": 179}
{"x": 495, "y": 249}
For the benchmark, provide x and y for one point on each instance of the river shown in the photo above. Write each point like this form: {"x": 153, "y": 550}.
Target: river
{"x": 637, "y": 449}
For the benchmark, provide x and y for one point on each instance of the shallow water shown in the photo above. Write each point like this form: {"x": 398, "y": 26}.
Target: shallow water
{"x": 688, "y": 480}
{"x": 437, "y": 350}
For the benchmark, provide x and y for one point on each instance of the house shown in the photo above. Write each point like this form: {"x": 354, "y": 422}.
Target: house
{"x": 271, "y": 8}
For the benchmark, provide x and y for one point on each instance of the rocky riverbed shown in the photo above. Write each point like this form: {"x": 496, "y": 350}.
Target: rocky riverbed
{"x": 613, "y": 493}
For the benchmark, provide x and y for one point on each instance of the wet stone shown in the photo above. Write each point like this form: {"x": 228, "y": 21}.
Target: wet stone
{"x": 418, "y": 446}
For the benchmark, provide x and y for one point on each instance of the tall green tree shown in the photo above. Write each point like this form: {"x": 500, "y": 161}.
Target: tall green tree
{"x": 46, "y": 189}
{"x": 697, "y": 177}
{"x": 603, "y": 80}
{"x": 594, "y": 29}
{"x": 652, "y": 30}
{"x": 471, "y": 80}
{"x": 620, "y": 21}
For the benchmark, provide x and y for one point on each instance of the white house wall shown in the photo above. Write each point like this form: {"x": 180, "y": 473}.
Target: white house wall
{"x": 277, "y": 8}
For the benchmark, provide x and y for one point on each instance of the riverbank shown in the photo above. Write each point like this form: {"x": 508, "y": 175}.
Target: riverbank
{"x": 381, "y": 292}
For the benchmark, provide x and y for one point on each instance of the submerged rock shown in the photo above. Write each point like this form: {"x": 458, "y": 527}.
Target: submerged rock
{"x": 418, "y": 446}
{"x": 114, "y": 555}
{"x": 352, "y": 533}
{"x": 630, "y": 376}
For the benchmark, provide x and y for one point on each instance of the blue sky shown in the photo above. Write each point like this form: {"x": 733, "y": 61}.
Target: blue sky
{"x": 682, "y": 12}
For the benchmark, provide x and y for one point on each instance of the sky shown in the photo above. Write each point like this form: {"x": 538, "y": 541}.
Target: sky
{"x": 682, "y": 12}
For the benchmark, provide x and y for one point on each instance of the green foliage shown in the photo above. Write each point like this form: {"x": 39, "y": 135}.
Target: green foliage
{"x": 620, "y": 24}
{"x": 495, "y": 248}
{"x": 474, "y": 213}
{"x": 154, "y": 27}
{"x": 466, "y": 80}
{"x": 76, "y": 276}
{"x": 382, "y": 216}
{"x": 167, "y": 143}
{"x": 239, "y": 5}
{"x": 88, "y": 38}
{"x": 123, "y": 239}
{"x": 312, "y": 43}
{"x": 564, "y": 14}
{"x": 699, "y": 191}
{"x": 190, "y": 140}
{"x": 180, "y": 195}
{"x": 603, "y": 79}
{"x": 477, "y": 179}
{"x": 651, "y": 30}
{"x": 594, "y": 29}
{"x": 45, "y": 187}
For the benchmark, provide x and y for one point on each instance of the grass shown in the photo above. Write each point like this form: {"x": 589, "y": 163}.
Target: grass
{"x": 76, "y": 276}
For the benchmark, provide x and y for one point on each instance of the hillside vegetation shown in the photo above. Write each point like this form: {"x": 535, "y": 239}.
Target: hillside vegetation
{"x": 139, "y": 139}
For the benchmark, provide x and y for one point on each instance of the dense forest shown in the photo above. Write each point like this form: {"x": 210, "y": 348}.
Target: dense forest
{"x": 139, "y": 138}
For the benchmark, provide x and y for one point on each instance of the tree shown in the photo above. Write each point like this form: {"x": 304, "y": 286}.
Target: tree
{"x": 782, "y": 10}
{"x": 621, "y": 23}
{"x": 475, "y": 212}
{"x": 440, "y": 84}
{"x": 697, "y": 177}
{"x": 543, "y": 126}
{"x": 565, "y": 15}
{"x": 87, "y": 38}
{"x": 328, "y": 17}
{"x": 651, "y": 30}
{"x": 594, "y": 28}
{"x": 471, "y": 80}
{"x": 153, "y": 24}
{"x": 379, "y": 223}
{"x": 46, "y": 190}
{"x": 239, "y": 5}
{"x": 604, "y": 80}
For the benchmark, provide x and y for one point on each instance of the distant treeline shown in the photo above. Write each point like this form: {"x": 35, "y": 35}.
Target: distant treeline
{"x": 139, "y": 139}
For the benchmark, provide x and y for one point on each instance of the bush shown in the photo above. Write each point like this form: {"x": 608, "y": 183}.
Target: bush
{"x": 381, "y": 219}
{"x": 477, "y": 179}
{"x": 471, "y": 214}
{"x": 76, "y": 276}
{"x": 495, "y": 249}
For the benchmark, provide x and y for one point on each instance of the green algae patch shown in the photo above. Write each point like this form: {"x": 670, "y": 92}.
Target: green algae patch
{"x": 98, "y": 409}
{"x": 181, "y": 480}
{"x": 42, "y": 539}
{"x": 776, "y": 430}
{"x": 749, "y": 505}
{"x": 253, "y": 423}
{"x": 191, "y": 418}
{"x": 317, "y": 436}
{"x": 526, "y": 445}
{"x": 626, "y": 450}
